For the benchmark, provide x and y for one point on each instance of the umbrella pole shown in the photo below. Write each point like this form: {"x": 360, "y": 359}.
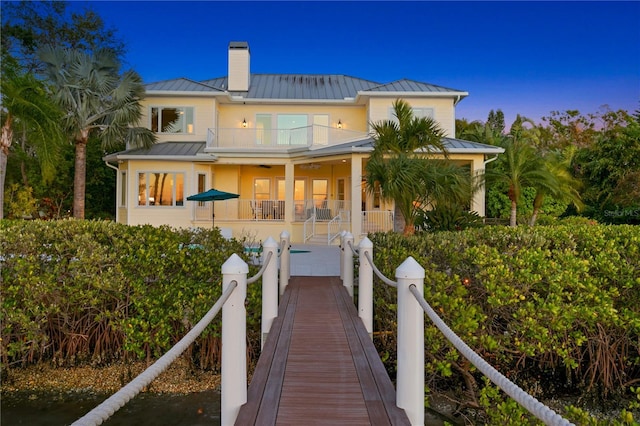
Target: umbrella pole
{"x": 213, "y": 214}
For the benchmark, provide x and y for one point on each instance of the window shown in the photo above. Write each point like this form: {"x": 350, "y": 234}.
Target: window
{"x": 202, "y": 183}
{"x": 161, "y": 189}
{"x": 263, "y": 129}
{"x": 123, "y": 189}
{"x": 319, "y": 191}
{"x": 292, "y": 129}
{"x": 262, "y": 189}
{"x": 172, "y": 120}
{"x": 417, "y": 112}
{"x": 321, "y": 129}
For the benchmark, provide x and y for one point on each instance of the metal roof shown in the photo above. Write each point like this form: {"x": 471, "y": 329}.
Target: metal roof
{"x": 468, "y": 147}
{"x": 406, "y": 85}
{"x": 181, "y": 150}
{"x": 301, "y": 86}
{"x": 166, "y": 150}
{"x": 181, "y": 85}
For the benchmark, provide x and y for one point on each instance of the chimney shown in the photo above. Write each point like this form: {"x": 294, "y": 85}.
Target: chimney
{"x": 238, "y": 78}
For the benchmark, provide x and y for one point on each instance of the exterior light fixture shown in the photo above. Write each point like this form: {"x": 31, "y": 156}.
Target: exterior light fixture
{"x": 339, "y": 124}
{"x": 244, "y": 123}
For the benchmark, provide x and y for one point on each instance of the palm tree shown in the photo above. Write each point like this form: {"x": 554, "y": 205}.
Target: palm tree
{"x": 565, "y": 187}
{"x": 520, "y": 166}
{"x": 27, "y": 109}
{"x": 399, "y": 165}
{"x": 97, "y": 100}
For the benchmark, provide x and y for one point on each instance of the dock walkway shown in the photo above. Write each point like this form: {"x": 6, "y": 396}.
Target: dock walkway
{"x": 318, "y": 365}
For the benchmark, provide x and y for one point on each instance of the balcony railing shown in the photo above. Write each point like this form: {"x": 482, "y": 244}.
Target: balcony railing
{"x": 269, "y": 139}
{"x": 325, "y": 211}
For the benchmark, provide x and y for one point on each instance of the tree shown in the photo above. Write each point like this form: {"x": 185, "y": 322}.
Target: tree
{"x": 564, "y": 186}
{"x": 610, "y": 170}
{"x": 96, "y": 99}
{"x": 29, "y": 25}
{"x": 491, "y": 132}
{"x": 518, "y": 167}
{"x": 27, "y": 109}
{"x": 400, "y": 167}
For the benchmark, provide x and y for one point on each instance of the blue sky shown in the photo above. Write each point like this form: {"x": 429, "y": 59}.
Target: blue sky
{"x": 522, "y": 57}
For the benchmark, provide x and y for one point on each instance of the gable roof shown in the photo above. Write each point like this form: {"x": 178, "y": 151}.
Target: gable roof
{"x": 302, "y": 87}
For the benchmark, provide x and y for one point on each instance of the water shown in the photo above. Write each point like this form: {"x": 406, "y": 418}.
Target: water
{"x": 63, "y": 408}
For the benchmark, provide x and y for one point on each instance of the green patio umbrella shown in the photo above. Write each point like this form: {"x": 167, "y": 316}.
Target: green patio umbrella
{"x": 212, "y": 195}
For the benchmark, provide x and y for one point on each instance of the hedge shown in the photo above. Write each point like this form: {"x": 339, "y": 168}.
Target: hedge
{"x": 556, "y": 309}
{"x": 97, "y": 291}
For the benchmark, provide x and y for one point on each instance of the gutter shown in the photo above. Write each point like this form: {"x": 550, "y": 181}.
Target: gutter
{"x": 490, "y": 160}
{"x": 111, "y": 166}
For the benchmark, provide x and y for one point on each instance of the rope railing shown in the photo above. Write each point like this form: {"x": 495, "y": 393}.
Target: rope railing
{"x": 283, "y": 244}
{"x": 257, "y": 276}
{"x": 380, "y": 275}
{"x": 116, "y": 401}
{"x": 354, "y": 250}
{"x": 531, "y": 404}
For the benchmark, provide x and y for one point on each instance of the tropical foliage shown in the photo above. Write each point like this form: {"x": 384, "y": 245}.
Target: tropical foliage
{"x": 27, "y": 111}
{"x": 97, "y": 100}
{"x": 26, "y": 27}
{"x": 401, "y": 167}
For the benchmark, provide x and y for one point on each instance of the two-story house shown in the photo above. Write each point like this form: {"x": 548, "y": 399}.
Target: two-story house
{"x": 292, "y": 146}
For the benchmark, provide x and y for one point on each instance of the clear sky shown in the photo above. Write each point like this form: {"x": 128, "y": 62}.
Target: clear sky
{"x": 522, "y": 57}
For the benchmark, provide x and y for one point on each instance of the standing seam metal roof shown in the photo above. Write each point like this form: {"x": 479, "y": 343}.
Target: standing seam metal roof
{"x": 299, "y": 86}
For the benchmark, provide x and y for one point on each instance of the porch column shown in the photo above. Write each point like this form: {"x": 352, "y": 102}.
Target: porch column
{"x": 288, "y": 197}
{"x": 356, "y": 197}
{"x": 477, "y": 201}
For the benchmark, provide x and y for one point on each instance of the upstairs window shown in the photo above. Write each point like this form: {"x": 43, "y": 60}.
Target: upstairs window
{"x": 417, "y": 113}
{"x": 172, "y": 120}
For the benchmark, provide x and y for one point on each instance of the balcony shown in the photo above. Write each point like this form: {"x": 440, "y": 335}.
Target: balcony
{"x": 280, "y": 139}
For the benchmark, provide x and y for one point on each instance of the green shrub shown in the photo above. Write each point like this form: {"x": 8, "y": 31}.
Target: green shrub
{"x": 448, "y": 218}
{"x": 556, "y": 309}
{"x": 94, "y": 291}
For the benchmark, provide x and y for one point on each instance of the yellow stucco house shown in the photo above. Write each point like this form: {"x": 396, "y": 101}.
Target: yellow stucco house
{"x": 292, "y": 146}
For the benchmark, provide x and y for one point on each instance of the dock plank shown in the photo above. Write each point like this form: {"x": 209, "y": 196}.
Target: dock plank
{"x": 317, "y": 367}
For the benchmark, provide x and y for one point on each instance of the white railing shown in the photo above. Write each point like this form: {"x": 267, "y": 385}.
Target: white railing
{"x": 281, "y": 139}
{"x": 241, "y": 209}
{"x": 268, "y": 210}
{"x": 309, "y": 228}
{"x": 338, "y": 224}
{"x": 232, "y": 303}
{"x": 377, "y": 221}
{"x": 411, "y": 307}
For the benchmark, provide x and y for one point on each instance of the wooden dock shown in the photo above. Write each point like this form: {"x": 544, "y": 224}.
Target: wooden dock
{"x": 318, "y": 365}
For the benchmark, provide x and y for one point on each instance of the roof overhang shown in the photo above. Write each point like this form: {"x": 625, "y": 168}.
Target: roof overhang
{"x": 382, "y": 94}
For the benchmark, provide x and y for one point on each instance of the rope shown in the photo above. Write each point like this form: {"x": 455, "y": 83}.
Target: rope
{"x": 116, "y": 401}
{"x": 261, "y": 271}
{"x": 353, "y": 250}
{"x": 378, "y": 273}
{"x": 535, "y": 407}
{"x": 281, "y": 248}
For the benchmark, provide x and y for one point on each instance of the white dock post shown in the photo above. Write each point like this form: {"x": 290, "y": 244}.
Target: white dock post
{"x": 285, "y": 259}
{"x": 347, "y": 259}
{"x": 410, "y": 378}
{"x": 365, "y": 285}
{"x": 234, "y": 341}
{"x": 269, "y": 287}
